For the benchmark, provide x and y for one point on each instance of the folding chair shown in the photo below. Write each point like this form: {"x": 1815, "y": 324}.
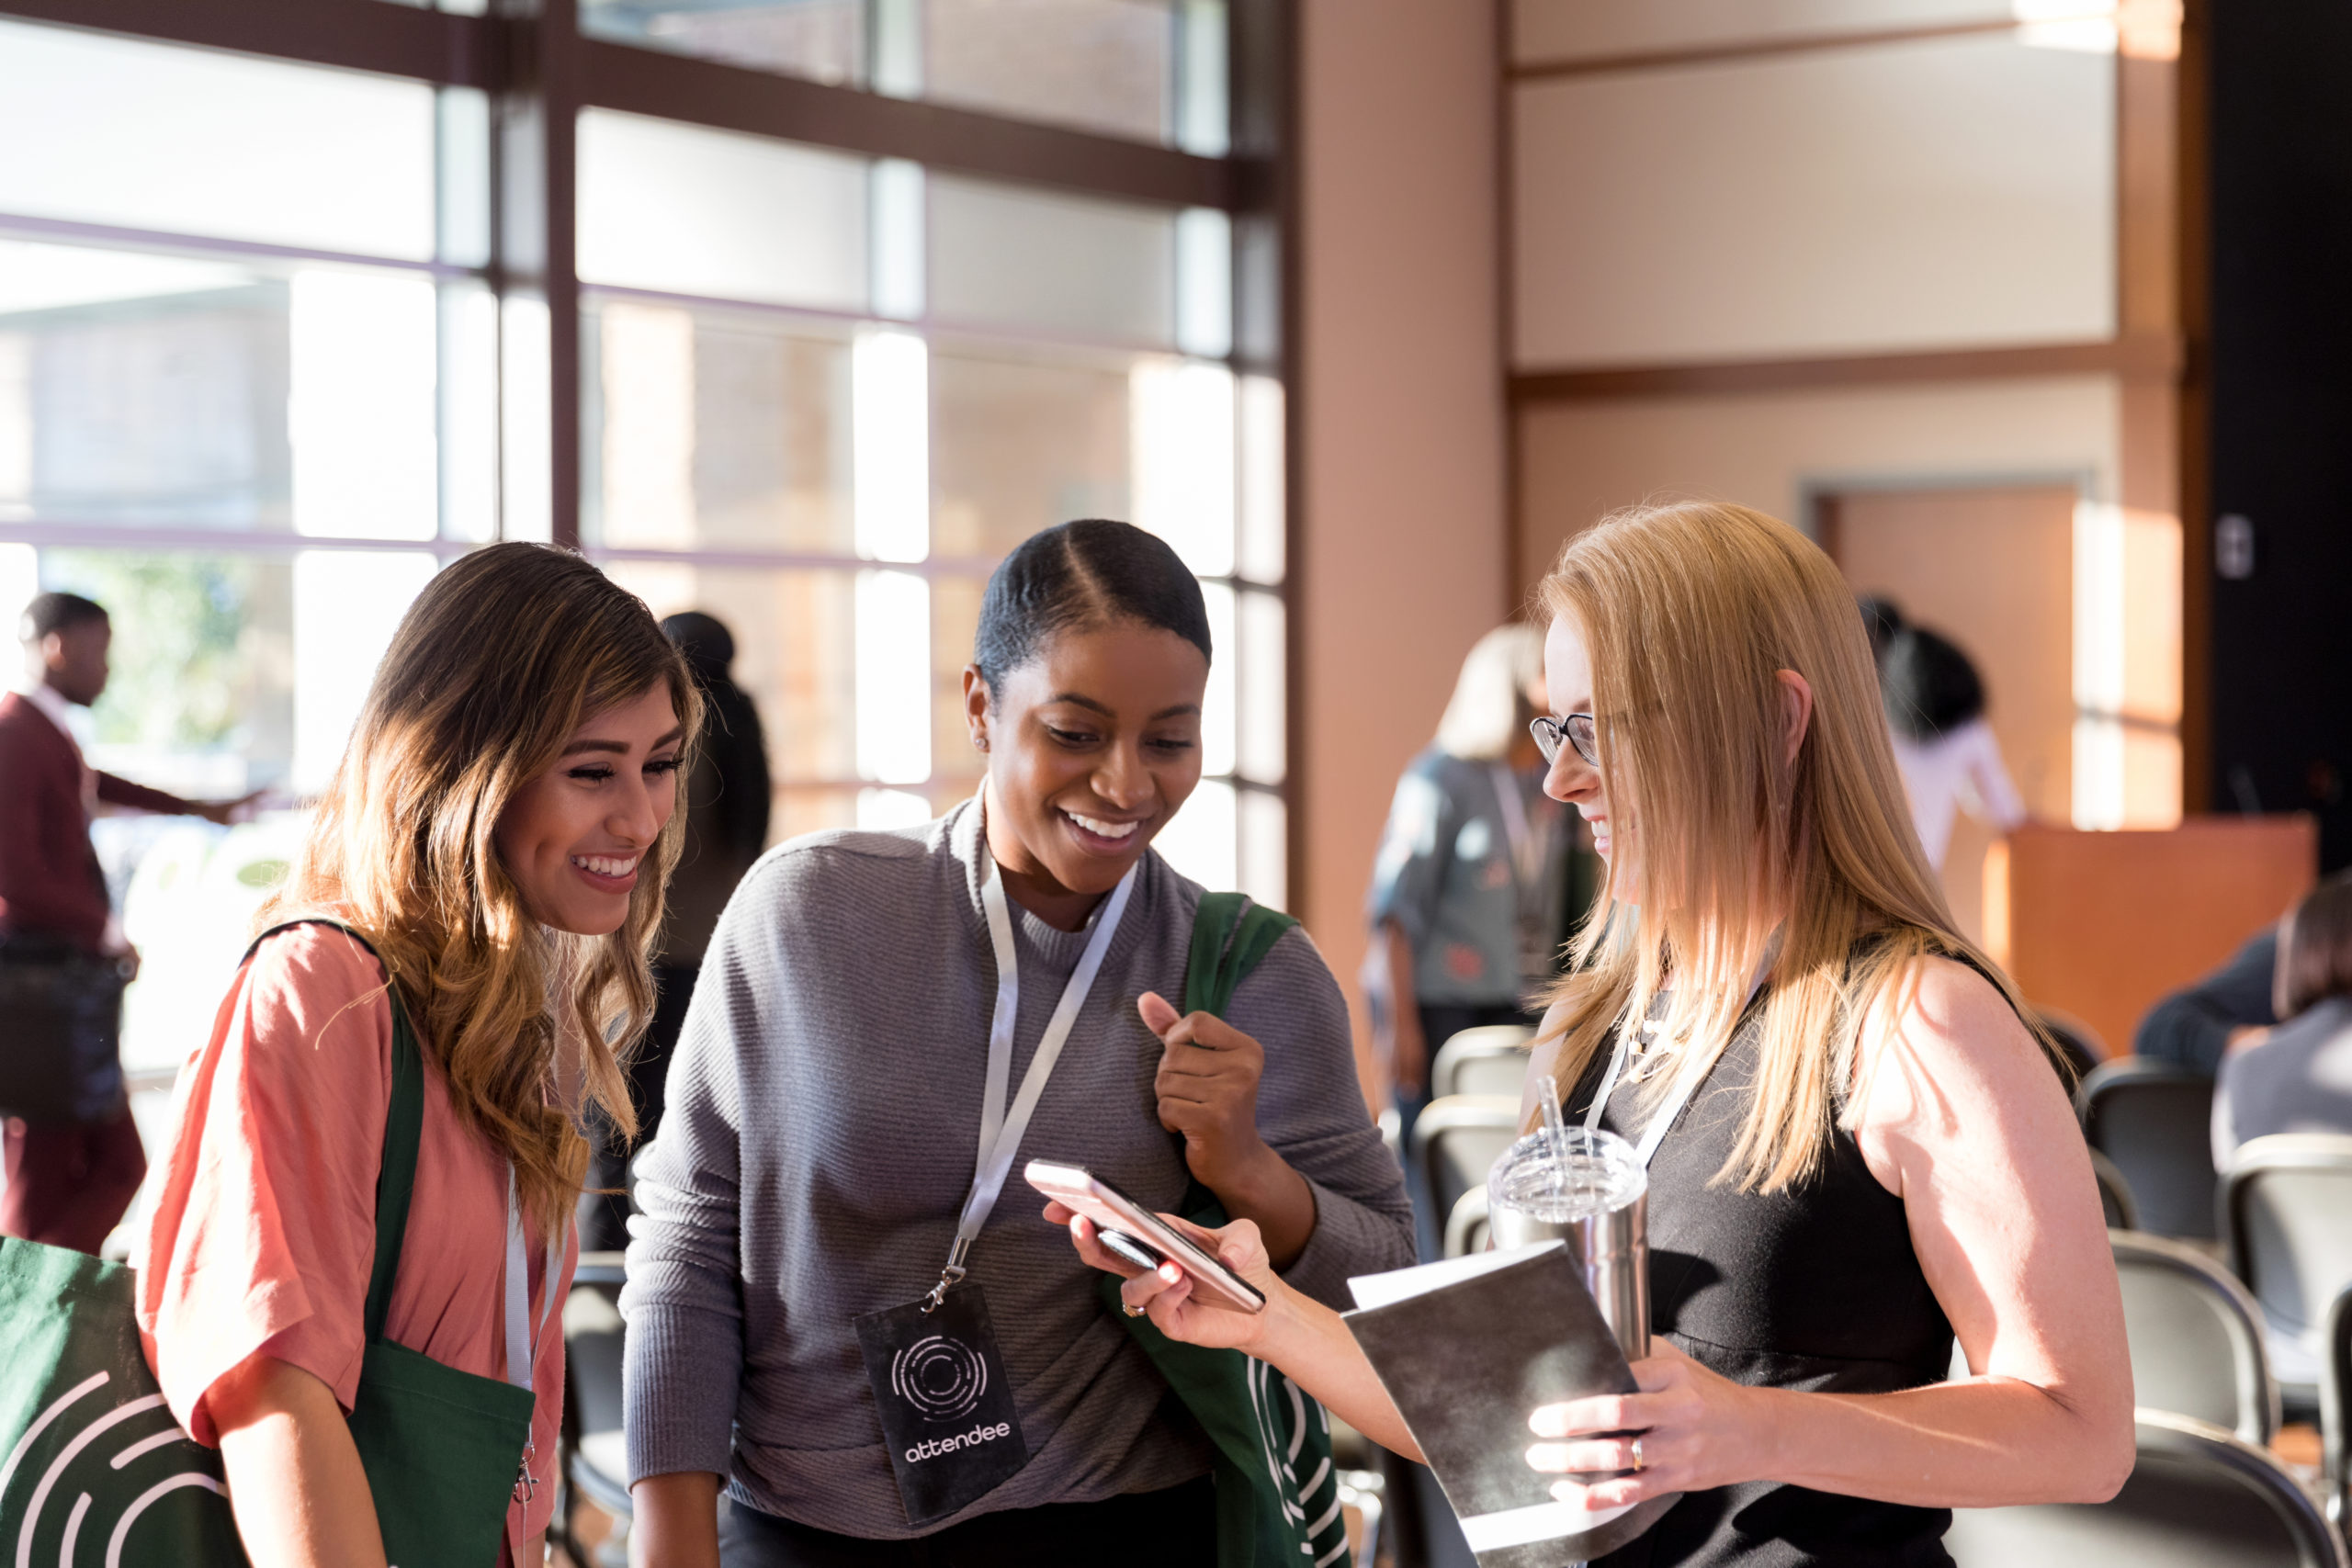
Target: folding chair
{"x": 2287, "y": 1222}
{"x": 1488, "y": 1060}
{"x": 2196, "y": 1338}
{"x": 2197, "y": 1497}
{"x": 2156, "y": 1123}
{"x": 1456, "y": 1141}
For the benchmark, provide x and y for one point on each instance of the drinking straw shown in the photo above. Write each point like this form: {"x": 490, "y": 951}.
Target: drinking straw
{"x": 1556, "y": 1133}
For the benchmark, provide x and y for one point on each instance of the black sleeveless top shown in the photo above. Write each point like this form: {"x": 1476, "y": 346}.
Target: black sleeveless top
{"x": 1813, "y": 1288}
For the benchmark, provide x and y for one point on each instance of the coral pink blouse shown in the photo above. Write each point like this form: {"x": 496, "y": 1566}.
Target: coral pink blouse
{"x": 265, "y": 1228}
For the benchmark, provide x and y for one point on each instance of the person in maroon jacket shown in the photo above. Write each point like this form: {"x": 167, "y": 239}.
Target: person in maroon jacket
{"x": 66, "y": 1183}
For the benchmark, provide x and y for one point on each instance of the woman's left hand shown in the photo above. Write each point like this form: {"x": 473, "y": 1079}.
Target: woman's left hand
{"x": 1207, "y": 1089}
{"x": 1697, "y": 1431}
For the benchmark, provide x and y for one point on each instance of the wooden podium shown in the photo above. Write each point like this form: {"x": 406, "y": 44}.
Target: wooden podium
{"x": 2101, "y": 925}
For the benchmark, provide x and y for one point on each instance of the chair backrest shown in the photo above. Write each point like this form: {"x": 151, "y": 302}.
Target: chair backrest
{"x": 2287, "y": 1220}
{"x": 2196, "y": 1338}
{"x": 1456, "y": 1141}
{"x": 2080, "y": 1043}
{"x": 2197, "y": 1497}
{"x": 2156, "y": 1123}
{"x": 2115, "y": 1198}
{"x": 1467, "y": 1225}
{"x": 2335, "y": 1411}
{"x": 1491, "y": 1059}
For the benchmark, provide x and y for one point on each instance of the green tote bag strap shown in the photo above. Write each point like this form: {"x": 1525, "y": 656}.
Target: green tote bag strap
{"x": 445, "y": 1452}
{"x": 1277, "y": 1494}
{"x": 403, "y": 1131}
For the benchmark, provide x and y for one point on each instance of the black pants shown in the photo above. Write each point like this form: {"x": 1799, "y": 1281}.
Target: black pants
{"x": 1175, "y": 1529}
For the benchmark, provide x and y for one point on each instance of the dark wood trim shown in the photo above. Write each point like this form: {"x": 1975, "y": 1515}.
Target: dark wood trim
{"x": 2152, "y": 356}
{"x": 536, "y": 154}
{"x": 358, "y": 35}
{"x": 2192, "y": 226}
{"x": 730, "y": 97}
{"x": 1755, "y": 48}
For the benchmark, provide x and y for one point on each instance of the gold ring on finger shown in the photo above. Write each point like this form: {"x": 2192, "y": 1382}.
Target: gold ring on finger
{"x": 1130, "y": 1310}
{"x": 1639, "y": 1463}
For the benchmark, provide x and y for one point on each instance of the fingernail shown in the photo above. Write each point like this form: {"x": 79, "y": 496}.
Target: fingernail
{"x": 1169, "y": 1272}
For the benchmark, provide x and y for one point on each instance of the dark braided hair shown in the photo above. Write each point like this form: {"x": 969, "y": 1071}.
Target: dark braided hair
{"x": 1091, "y": 572}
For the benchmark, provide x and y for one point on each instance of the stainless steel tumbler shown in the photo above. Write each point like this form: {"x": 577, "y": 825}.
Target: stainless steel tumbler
{"x": 1588, "y": 1189}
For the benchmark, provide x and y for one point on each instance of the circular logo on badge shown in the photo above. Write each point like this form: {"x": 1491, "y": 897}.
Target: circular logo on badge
{"x": 942, "y": 1378}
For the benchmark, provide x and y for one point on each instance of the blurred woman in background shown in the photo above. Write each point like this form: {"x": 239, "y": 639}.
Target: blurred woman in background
{"x": 1935, "y": 709}
{"x": 1856, "y": 1147}
{"x": 1470, "y": 889}
{"x": 476, "y": 889}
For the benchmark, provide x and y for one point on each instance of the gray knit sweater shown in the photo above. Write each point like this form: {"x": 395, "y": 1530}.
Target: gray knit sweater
{"x": 823, "y": 1121}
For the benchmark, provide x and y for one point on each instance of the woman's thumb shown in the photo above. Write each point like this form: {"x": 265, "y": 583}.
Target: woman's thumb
{"x": 1158, "y": 1015}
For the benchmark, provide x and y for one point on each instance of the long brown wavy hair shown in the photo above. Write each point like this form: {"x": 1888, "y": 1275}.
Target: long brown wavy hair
{"x": 1689, "y": 613}
{"x": 493, "y": 667}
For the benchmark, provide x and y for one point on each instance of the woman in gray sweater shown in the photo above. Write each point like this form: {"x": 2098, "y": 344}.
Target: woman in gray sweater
{"x": 887, "y": 1023}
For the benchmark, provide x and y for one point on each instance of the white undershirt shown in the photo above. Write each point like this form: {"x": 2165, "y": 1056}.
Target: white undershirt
{"x": 1959, "y": 770}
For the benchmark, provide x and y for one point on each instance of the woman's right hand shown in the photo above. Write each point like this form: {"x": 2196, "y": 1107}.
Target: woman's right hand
{"x": 1166, "y": 1292}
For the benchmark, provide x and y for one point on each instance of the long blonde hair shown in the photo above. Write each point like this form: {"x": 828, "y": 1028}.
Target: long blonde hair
{"x": 492, "y": 669}
{"x": 1689, "y": 611}
{"x": 1488, "y": 711}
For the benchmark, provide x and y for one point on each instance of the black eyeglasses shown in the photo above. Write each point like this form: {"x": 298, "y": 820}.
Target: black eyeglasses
{"x": 1576, "y": 729}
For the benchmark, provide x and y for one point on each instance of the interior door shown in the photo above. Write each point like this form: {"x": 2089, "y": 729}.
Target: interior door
{"x": 1993, "y": 569}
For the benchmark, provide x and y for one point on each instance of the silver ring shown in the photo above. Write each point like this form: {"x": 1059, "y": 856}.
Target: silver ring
{"x": 1639, "y": 1463}
{"x": 1130, "y": 1310}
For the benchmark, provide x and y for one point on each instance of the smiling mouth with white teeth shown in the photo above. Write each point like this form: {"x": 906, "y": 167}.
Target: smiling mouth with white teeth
{"x": 605, "y": 865}
{"x": 1114, "y": 831}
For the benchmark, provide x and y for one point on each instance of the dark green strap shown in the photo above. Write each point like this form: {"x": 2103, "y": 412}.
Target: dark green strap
{"x": 1230, "y": 934}
{"x": 404, "y": 1132}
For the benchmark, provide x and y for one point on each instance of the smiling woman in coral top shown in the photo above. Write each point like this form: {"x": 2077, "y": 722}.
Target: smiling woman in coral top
{"x": 488, "y": 860}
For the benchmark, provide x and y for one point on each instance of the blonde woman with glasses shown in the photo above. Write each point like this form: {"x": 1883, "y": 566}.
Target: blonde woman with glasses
{"x": 1866, "y": 1153}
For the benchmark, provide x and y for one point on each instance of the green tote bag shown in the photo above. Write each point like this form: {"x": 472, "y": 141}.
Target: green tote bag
{"x": 93, "y": 1474}
{"x": 1277, "y": 1494}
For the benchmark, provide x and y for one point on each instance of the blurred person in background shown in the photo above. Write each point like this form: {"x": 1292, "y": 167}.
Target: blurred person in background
{"x": 70, "y": 1171}
{"x": 2196, "y": 1027}
{"x": 1470, "y": 883}
{"x": 1935, "y": 713}
{"x": 727, "y": 796}
{"x": 2297, "y": 1076}
{"x": 443, "y": 980}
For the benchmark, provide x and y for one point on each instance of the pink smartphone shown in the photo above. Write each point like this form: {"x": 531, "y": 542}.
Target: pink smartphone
{"x": 1080, "y": 1190}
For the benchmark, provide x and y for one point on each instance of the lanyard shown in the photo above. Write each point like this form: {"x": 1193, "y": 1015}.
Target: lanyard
{"x": 1001, "y": 1130}
{"x": 1526, "y": 846}
{"x": 521, "y": 1338}
{"x": 1685, "y": 1082}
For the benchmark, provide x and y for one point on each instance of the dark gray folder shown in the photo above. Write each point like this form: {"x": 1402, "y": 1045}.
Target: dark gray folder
{"x": 1466, "y": 1361}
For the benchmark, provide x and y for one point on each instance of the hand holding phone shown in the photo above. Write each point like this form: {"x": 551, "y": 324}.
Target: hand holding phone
{"x": 1113, "y": 1213}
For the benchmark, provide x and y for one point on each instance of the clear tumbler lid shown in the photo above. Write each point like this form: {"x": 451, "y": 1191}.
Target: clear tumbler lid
{"x": 1567, "y": 1176}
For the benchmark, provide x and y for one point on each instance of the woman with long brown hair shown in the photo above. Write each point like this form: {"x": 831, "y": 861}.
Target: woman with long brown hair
{"x": 1859, "y": 1150}
{"x": 430, "y": 1009}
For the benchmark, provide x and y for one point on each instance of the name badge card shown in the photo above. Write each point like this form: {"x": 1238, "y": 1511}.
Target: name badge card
{"x": 946, "y": 1403}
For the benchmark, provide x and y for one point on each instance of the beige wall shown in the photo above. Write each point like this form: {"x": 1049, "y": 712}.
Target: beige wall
{"x": 1934, "y": 193}
{"x": 1401, "y": 554}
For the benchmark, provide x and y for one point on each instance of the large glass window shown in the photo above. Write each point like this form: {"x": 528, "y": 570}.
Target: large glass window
{"x": 1145, "y": 69}
{"x": 279, "y": 339}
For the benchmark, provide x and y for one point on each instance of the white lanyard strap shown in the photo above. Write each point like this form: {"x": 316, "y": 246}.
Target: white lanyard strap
{"x": 521, "y": 1339}
{"x": 1685, "y": 1082}
{"x": 1002, "y": 1129}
